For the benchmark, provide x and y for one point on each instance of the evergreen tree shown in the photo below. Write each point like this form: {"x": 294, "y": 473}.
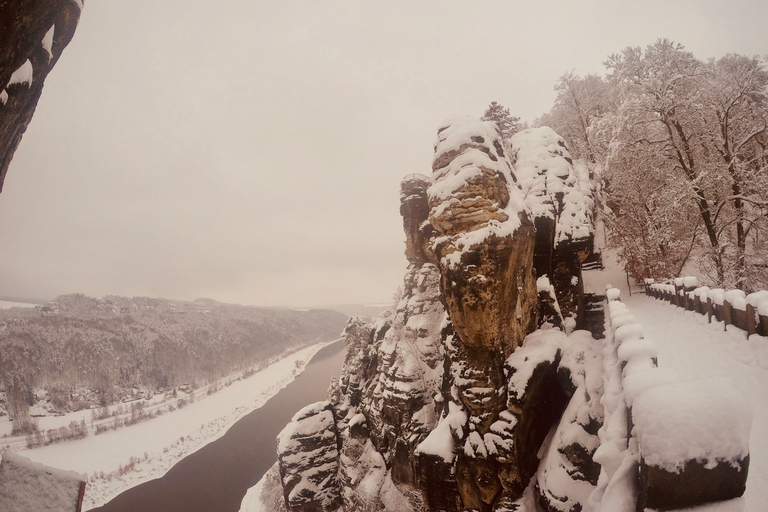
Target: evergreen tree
{"x": 507, "y": 123}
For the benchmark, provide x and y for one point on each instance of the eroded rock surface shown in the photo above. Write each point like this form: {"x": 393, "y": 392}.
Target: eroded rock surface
{"x": 560, "y": 198}
{"x": 33, "y": 33}
{"x": 446, "y": 400}
{"x": 308, "y": 459}
{"x": 568, "y": 473}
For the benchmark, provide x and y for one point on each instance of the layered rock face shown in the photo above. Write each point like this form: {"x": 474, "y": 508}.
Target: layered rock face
{"x": 309, "y": 460}
{"x": 33, "y": 33}
{"x": 559, "y": 196}
{"x": 445, "y": 402}
{"x": 483, "y": 244}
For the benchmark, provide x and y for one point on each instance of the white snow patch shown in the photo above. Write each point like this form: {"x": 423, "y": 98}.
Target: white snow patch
{"x": 690, "y": 282}
{"x": 538, "y": 347}
{"x": 757, "y": 298}
{"x": 6, "y": 304}
{"x": 637, "y": 348}
{"x": 717, "y": 295}
{"x": 47, "y": 41}
{"x": 640, "y": 381}
{"x": 23, "y": 75}
{"x": 628, "y": 332}
{"x": 737, "y": 299}
{"x": 707, "y": 420}
{"x": 440, "y": 441}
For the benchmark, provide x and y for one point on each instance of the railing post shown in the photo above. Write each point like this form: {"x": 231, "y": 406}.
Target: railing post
{"x": 710, "y": 310}
{"x": 727, "y": 314}
{"x": 80, "y": 496}
{"x": 751, "y": 320}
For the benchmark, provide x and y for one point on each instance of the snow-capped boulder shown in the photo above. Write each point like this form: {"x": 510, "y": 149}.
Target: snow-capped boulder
{"x": 484, "y": 242}
{"x": 308, "y": 459}
{"x": 554, "y": 188}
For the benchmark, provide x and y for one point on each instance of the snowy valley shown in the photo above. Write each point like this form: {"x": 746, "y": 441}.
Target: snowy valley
{"x": 581, "y": 323}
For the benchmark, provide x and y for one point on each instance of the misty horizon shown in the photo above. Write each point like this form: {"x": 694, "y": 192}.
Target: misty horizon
{"x": 253, "y": 153}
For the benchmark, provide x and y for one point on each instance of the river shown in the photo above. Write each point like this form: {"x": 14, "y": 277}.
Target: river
{"x": 216, "y": 477}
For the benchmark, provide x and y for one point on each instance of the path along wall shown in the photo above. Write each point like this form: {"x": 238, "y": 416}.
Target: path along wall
{"x": 665, "y": 444}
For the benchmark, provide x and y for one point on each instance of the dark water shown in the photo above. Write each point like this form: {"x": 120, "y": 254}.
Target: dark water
{"x": 216, "y": 477}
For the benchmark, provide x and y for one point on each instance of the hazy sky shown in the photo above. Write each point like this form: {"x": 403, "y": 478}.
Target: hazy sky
{"x": 251, "y": 151}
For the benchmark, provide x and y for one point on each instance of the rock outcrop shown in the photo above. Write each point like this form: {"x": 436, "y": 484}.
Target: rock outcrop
{"x": 559, "y": 196}
{"x": 483, "y": 244}
{"x": 568, "y": 473}
{"x": 309, "y": 460}
{"x": 33, "y": 33}
{"x": 447, "y": 401}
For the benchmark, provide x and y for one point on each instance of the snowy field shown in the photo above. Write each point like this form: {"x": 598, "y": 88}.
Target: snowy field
{"x": 117, "y": 460}
{"x": 4, "y": 304}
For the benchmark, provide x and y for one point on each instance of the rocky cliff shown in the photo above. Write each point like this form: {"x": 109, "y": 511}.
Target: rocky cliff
{"x": 33, "y": 33}
{"x": 464, "y": 396}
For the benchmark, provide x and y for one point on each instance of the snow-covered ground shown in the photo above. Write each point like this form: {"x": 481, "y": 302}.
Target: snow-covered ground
{"x": 117, "y": 460}
{"x": 696, "y": 350}
{"x": 4, "y": 304}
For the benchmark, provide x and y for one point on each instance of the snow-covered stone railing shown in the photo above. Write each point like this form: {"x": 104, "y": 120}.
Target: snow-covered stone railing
{"x": 665, "y": 444}
{"x": 732, "y": 307}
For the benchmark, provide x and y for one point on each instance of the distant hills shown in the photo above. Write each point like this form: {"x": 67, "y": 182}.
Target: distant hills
{"x": 78, "y": 351}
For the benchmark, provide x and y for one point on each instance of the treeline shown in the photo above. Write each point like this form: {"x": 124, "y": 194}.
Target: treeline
{"x": 680, "y": 146}
{"x": 93, "y": 352}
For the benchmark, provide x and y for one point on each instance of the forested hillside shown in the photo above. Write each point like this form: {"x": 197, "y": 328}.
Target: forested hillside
{"x": 77, "y": 351}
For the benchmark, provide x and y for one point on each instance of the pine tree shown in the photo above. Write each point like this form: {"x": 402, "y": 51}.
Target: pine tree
{"x": 507, "y": 123}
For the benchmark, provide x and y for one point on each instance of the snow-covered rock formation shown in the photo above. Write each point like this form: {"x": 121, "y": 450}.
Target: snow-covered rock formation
{"x": 449, "y": 401}
{"x": 559, "y": 196}
{"x": 309, "y": 459}
{"x": 33, "y": 33}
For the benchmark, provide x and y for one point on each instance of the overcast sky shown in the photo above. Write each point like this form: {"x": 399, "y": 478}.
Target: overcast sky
{"x": 252, "y": 151}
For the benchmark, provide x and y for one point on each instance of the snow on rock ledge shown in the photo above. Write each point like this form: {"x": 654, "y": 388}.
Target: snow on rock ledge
{"x": 552, "y": 185}
{"x": 308, "y": 458}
